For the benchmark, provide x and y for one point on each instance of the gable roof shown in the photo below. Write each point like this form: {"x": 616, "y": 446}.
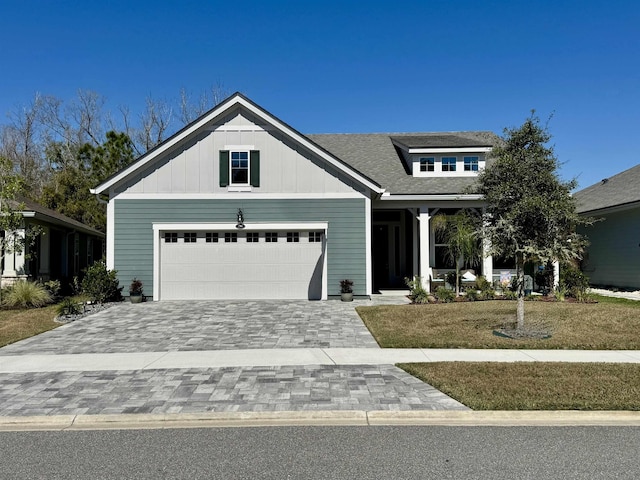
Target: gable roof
{"x": 35, "y": 210}
{"x": 621, "y": 190}
{"x": 376, "y": 156}
{"x": 237, "y": 99}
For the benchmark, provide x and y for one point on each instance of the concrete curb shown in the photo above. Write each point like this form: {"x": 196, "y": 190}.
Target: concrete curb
{"x": 321, "y": 418}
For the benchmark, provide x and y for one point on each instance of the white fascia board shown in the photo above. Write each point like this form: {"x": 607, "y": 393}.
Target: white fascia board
{"x": 238, "y": 195}
{"x": 199, "y": 124}
{"x": 248, "y": 227}
{"x": 451, "y": 150}
{"x": 430, "y": 198}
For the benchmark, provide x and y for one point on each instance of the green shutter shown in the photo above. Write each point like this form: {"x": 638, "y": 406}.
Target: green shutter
{"x": 255, "y": 168}
{"x": 224, "y": 168}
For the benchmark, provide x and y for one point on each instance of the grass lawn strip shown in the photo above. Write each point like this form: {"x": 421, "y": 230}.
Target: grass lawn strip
{"x": 24, "y": 323}
{"x": 534, "y": 386}
{"x": 610, "y": 324}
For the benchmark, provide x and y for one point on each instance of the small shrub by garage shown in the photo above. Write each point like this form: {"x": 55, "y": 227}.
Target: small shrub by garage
{"x": 100, "y": 284}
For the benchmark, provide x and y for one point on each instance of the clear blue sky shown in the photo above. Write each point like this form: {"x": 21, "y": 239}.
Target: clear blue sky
{"x": 352, "y": 66}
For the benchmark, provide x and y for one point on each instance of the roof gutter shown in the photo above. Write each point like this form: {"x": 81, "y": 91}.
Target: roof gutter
{"x": 417, "y": 197}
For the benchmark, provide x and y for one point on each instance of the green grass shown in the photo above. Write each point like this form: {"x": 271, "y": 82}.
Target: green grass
{"x": 610, "y": 324}
{"x": 18, "y": 324}
{"x": 534, "y": 386}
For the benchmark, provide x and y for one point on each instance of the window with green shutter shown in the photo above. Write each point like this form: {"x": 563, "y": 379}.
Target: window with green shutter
{"x": 239, "y": 168}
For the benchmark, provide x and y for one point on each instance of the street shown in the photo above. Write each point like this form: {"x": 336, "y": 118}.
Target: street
{"x": 325, "y": 452}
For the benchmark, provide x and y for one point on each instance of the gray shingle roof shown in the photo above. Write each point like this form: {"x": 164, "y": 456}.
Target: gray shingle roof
{"x": 621, "y": 189}
{"x": 53, "y": 216}
{"x": 436, "y": 140}
{"x": 375, "y": 156}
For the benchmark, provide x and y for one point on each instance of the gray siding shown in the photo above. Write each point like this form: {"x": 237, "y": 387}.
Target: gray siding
{"x": 614, "y": 252}
{"x": 192, "y": 166}
{"x": 346, "y": 238}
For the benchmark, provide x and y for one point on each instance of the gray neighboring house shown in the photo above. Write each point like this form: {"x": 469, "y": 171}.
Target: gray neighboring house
{"x": 62, "y": 250}
{"x": 613, "y": 257}
{"x": 238, "y": 204}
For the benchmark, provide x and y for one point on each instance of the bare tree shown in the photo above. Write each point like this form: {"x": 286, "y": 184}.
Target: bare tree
{"x": 208, "y": 99}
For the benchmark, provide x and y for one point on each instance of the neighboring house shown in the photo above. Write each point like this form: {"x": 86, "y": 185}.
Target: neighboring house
{"x": 613, "y": 256}
{"x": 61, "y": 251}
{"x": 240, "y": 205}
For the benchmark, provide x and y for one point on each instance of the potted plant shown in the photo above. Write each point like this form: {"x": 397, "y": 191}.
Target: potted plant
{"x": 135, "y": 291}
{"x": 346, "y": 290}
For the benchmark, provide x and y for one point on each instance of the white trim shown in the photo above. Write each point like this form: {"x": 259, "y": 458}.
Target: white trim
{"x": 239, "y": 148}
{"x": 111, "y": 243}
{"x": 239, "y": 195}
{"x": 425, "y": 247}
{"x": 461, "y": 196}
{"x": 158, "y": 228}
{"x": 238, "y": 128}
{"x": 368, "y": 247}
{"x": 239, "y": 188}
{"x": 248, "y": 227}
{"x": 451, "y": 150}
{"x": 202, "y": 123}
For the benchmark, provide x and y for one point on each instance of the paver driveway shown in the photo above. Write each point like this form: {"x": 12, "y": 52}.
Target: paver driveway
{"x": 205, "y": 325}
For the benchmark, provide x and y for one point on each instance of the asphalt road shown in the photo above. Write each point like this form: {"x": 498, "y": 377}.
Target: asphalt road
{"x": 326, "y": 453}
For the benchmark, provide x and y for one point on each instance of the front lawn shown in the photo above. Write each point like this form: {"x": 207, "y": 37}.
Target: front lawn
{"x": 24, "y": 323}
{"x": 610, "y": 324}
{"x": 534, "y": 386}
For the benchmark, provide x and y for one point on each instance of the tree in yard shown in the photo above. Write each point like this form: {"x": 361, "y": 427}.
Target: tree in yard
{"x": 530, "y": 214}
{"x": 460, "y": 233}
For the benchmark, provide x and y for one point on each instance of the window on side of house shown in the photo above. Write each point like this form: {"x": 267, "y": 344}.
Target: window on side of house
{"x": 239, "y": 168}
{"x": 427, "y": 164}
{"x": 271, "y": 237}
{"x": 470, "y": 164}
{"x": 293, "y": 237}
{"x": 253, "y": 237}
{"x": 190, "y": 237}
{"x": 315, "y": 237}
{"x": 449, "y": 164}
{"x": 170, "y": 237}
{"x": 211, "y": 237}
{"x": 230, "y": 237}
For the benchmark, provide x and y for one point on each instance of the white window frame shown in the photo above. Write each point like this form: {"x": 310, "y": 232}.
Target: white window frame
{"x": 238, "y": 184}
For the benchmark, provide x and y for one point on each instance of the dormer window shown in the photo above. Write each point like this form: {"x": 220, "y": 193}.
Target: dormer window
{"x": 449, "y": 164}
{"x": 470, "y": 164}
{"x": 427, "y": 164}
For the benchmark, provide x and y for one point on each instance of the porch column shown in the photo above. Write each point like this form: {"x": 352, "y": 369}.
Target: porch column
{"x": 487, "y": 260}
{"x": 44, "y": 257}
{"x": 415, "y": 225}
{"x": 556, "y": 274}
{"x": 14, "y": 262}
{"x": 425, "y": 249}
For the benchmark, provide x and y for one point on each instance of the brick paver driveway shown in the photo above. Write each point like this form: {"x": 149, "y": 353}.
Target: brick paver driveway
{"x": 205, "y": 325}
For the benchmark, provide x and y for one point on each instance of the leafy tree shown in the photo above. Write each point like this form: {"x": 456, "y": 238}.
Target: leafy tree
{"x": 461, "y": 236}
{"x": 68, "y": 192}
{"x": 14, "y": 238}
{"x": 530, "y": 214}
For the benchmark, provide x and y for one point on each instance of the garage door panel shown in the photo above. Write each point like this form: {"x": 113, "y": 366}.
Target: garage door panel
{"x": 241, "y": 270}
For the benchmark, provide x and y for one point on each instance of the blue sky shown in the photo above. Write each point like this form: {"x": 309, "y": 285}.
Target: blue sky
{"x": 352, "y": 66}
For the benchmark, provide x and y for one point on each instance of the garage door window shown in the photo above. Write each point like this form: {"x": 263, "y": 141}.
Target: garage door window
{"x": 211, "y": 237}
{"x": 293, "y": 237}
{"x": 190, "y": 237}
{"x": 315, "y": 237}
{"x": 253, "y": 237}
{"x": 271, "y": 237}
{"x": 170, "y": 237}
{"x": 230, "y": 237}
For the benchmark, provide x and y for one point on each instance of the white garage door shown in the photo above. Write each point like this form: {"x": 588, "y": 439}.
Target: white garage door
{"x": 241, "y": 265}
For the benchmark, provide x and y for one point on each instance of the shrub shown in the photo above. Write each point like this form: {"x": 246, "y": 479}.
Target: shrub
{"x": 68, "y": 307}
{"x": 417, "y": 293}
{"x": 27, "y": 294}
{"x": 575, "y": 282}
{"x": 53, "y": 287}
{"x": 471, "y": 293}
{"x": 560, "y": 292}
{"x": 100, "y": 284}
{"x": 443, "y": 294}
{"x": 510, "y": 295}
{"x": 486, "y": 289}
{"x": 136, "y": 287}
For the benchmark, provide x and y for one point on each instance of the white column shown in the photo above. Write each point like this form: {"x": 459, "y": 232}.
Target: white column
{"x": 44, "y": 257}
{"x": 368, "y": 247}
{"x": 111, "y": 223}
{"x": 425, "y": 249}
{"x": 556, "y": 274}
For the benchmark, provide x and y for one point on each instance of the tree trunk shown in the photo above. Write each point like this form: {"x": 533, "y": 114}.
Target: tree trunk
{"x": 520, "y": 307}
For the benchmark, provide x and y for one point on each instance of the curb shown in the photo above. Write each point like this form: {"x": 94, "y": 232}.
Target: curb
{"x": 321, "y": 418}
